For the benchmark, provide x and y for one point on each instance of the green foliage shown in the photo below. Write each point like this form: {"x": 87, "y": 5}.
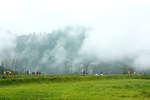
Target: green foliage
{"x": 6, "y": 62}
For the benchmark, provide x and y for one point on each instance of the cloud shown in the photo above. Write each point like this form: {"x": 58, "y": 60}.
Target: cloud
{"x": 113, "y": 33}
{"x": 7, "y": 43}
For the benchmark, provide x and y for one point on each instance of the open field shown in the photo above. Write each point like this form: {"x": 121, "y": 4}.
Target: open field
{"x": 76, "y": 87}
{"x": 93, "y": 90}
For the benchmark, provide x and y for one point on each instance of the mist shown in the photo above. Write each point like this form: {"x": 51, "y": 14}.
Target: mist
{"x": 73, "y": 35}
{"x": 69, "y": 49}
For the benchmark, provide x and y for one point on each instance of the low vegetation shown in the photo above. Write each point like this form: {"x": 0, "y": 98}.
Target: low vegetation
{"x": 75, "y": 87}
{"x": 17, "y": 79}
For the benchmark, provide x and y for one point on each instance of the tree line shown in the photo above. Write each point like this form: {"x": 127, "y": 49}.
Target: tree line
{"x": 13, "y": 65}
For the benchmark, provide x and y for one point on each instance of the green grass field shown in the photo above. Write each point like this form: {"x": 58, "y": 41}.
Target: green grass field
{"x": 106, "y": 89}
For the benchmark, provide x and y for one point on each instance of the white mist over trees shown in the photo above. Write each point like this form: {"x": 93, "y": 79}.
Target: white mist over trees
{"x": 70, "y": 49}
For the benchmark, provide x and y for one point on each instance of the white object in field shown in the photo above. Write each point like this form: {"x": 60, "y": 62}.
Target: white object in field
{"x": 101, "y": 74}
{"x": 96, "y": 74}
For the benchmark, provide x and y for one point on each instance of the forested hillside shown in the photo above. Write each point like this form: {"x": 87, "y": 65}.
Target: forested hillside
{"x": 62, "y": 51}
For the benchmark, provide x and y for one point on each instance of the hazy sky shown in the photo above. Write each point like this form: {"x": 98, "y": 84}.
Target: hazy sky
{"x": 28, "y": 16}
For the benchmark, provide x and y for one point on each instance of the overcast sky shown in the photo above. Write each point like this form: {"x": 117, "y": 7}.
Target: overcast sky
{"x": 28, "y": 16}
{"x": 115, "y": 29}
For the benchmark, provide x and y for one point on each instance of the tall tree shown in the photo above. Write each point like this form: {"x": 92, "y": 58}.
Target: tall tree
{"x": 17, "y": 61}
{"x": 86, "y": 67}
{"x": 26, "y": 60}
{"x": 71, "y": 64}
{"x": 2, "y": 61}
{"x": 66, "y": 67}
{"x": 94, "y": 67}
{"x": 6, "y": 63}
{"x": 13, "y": 63}
{"x": 2, "y": 66}
{"x": 78, "y": 66}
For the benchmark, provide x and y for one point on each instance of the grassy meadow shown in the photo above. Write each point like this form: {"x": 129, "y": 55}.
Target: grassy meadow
{"x": 78, "y": 88}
